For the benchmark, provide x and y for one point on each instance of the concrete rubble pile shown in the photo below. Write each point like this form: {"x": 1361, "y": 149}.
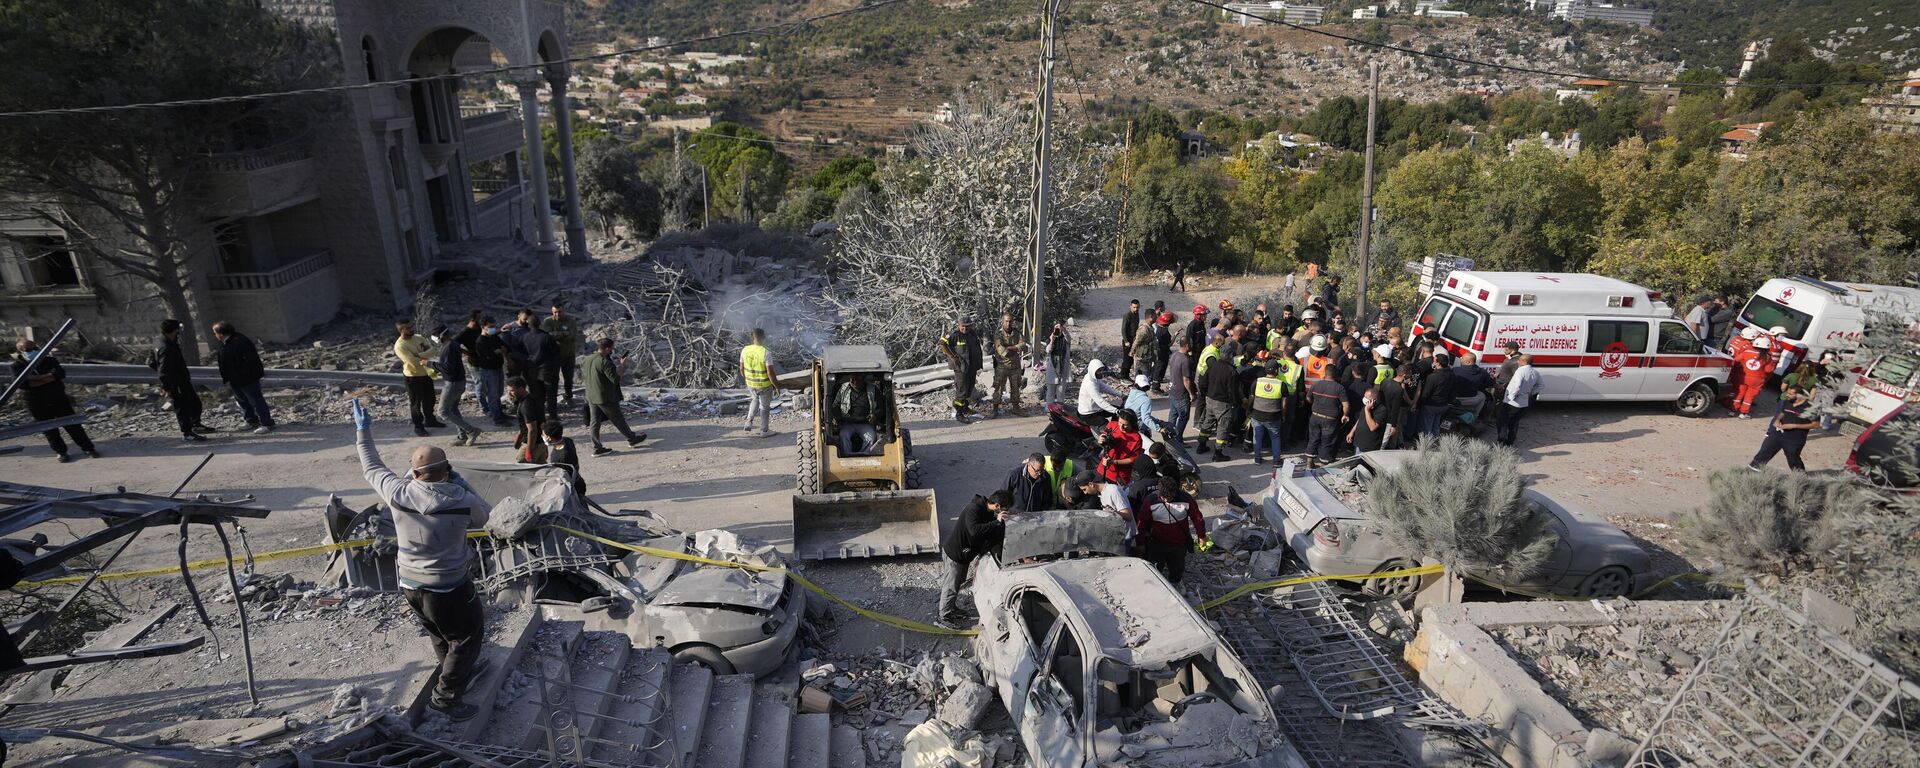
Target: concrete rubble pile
{"x": 925, "y": 712}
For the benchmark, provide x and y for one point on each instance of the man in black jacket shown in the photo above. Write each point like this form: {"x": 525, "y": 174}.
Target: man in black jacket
{"x": 489, "y": 358}
{"x": 241, "y": 369}
{"x": 541, "y": 356}
{"x": 1436, "y": 394}
{"x": 453, "y": 371}
{"x": 45, "y": 391}
{"x": 1030, "y": 485}
{"x": 1129, "y": 329}
{"x": 176, "y": 381}
{"x": 975, "y": 532}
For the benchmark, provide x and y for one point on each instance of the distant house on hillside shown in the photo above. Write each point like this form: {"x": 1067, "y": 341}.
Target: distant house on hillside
{"x": 690, "y": 100}
{"x": 1583, "y": 89}
{"x": 1566, "y": 146}
{"x": 1898, "y": 112}
{"x": 1193, "y": 143}
{"x": 1586, "y": 10}
{"x": 1253, "y": 14}
{"x": 1741, "y": 138}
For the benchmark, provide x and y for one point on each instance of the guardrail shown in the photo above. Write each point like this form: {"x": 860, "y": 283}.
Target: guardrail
{"x": 267, "y": 281}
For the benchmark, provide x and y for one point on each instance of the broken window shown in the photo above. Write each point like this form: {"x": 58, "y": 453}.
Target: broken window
{"x": 44, "y": 262}
{"x": 1037, "y": 615}
{"x": 1066, "y": 666}
{"x": 1131, "y": 697}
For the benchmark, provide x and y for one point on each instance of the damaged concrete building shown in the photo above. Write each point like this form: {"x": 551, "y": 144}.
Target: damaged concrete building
{"x": 361, "y": 207}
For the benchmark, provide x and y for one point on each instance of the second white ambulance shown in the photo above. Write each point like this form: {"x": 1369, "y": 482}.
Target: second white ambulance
{"x": 1592, "y": 338}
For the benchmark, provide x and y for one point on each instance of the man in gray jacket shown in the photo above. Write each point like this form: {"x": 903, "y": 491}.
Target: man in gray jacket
{"x": 432, "y": 511}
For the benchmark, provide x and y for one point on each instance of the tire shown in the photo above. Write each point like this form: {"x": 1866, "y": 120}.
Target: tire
{"x": 1696, "y": 401}
{"x": 806, "y": 470}
{"x": 914, "y": 479}
{"x": 706, "y": 656}
{"x": 1611, "y": 581}
{"x": 1397, "y": 588}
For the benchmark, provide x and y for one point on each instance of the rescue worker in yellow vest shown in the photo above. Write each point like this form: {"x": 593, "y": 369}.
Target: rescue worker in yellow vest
{"x": 1269, "y": 408}
{"x": 1383, "y": 364}
{"x": 1290, "y": 376}
{"x": 759, "y": 374}
{"x": 1059, "y": 469}
{"x": 1207, "y": 355}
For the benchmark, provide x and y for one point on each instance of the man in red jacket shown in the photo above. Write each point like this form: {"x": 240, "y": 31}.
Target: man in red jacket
{"x": 1163, "y": 520}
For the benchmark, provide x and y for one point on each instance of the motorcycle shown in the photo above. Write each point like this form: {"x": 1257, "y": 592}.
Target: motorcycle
{"x": 1467, "y": 416}
{"x": 1066, "y": 433}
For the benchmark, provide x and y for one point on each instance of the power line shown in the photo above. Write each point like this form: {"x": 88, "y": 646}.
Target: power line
{"x": 532, "y": 68}
{"x": 1528, "y": 70}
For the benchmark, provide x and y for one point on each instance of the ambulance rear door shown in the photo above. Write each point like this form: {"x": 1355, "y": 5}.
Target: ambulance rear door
{"x": 1614, "y": 362}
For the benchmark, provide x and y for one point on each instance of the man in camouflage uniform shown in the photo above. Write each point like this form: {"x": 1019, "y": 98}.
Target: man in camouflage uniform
{"x": 1007, "y": 347}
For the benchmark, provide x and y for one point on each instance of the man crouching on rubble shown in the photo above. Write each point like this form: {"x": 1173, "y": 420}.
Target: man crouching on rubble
{"x": 432, "y": 511}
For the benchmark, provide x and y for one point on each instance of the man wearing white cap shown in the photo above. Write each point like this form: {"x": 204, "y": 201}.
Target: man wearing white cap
{"x": 1141, "y": 404}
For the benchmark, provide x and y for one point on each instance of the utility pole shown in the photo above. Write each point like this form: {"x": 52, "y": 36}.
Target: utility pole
{"x": 1043, "y": 181}
{"x": 1366, "y": 195}
{"x": 1126, "y": 194}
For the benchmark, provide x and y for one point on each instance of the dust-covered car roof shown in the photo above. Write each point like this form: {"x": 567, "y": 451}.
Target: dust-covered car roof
{"x": 1122, "y": 606}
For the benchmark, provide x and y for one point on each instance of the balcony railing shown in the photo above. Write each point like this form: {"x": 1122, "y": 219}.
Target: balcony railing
{"x": 268, "y": 281}
{"x": 259, "y": 159}
{"x": 472, "y": 112}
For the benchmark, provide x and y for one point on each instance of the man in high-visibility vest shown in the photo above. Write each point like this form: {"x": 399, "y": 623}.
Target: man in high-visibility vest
{"x": 1290, "y": 374}
{"x": 1319, "y": 360}
{"x": 1207, "y": 355}
{"x": 1269, "y": 405}
{"x": 1382, "y": 364}
{"x": 759, "y": 374}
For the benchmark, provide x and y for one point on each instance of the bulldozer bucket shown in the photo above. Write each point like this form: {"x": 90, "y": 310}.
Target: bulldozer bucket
{"x": 832, "y": 526}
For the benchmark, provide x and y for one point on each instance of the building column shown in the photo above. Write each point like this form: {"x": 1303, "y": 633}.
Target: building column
{"x": 537, "y": 168}
{"x": 563, "y": 128}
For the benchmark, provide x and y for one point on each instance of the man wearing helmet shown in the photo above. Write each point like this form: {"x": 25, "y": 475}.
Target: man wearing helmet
{"x": 1785, "y": 356}
{"x": 1749, "y": 376}
{"x": 1318, "y": 361}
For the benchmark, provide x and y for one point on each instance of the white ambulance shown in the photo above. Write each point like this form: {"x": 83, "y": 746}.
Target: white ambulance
{"x": 1820, "y": 316}
{"x": 1592, "y": 338}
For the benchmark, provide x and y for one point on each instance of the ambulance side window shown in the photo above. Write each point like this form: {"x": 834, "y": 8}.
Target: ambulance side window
{"x": 1605, "y": 333}
{"x": 1433, "y": 313}
{"x": 1675, "y": 339}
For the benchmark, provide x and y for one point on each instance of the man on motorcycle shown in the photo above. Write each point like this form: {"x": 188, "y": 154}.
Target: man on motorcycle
{"x": 1095, "y": 407}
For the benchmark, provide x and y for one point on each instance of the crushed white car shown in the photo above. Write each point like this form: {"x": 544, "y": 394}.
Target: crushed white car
{"x": 1100, "y": 661}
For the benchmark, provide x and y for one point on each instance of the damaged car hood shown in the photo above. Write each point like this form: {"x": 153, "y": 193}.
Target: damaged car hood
{"x": 713, "y": 586}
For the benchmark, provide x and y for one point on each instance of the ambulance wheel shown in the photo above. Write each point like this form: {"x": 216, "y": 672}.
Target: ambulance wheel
{"x": 1696, "y": 401}
{"x": 806, "y": 471}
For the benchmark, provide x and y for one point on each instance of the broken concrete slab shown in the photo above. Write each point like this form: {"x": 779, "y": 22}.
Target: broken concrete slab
{"x": 966, "y": 705}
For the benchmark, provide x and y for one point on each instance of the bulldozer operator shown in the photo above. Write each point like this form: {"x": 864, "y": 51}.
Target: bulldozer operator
{"x": 857, "y": 407}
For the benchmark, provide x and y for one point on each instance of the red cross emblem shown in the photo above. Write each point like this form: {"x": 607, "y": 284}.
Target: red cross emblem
{"x": 1786, "y": 295}
{"x": 1548, "y": 278}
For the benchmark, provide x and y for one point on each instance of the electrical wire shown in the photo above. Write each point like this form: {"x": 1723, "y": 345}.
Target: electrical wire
{"x": 1528, "y": 70}
{"x": 781, "y": 28}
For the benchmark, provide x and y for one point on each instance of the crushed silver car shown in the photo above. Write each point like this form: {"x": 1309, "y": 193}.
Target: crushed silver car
{"x": 732, "y": 620}
{"x": 1322, "y": 513}
{"x": 1100, "y": 661}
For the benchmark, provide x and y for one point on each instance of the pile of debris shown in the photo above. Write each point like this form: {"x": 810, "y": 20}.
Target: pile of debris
{"x": 923, "y": 712}
{"x": 1612, "y": 676}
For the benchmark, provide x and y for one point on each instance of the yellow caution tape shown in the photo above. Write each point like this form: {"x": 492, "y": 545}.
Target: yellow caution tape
{"x": 1258, "y": 586}
{"x": 890, "y": 620}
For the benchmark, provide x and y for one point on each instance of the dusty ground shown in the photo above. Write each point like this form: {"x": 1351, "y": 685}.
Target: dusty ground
{"x": 1636, "y": 463}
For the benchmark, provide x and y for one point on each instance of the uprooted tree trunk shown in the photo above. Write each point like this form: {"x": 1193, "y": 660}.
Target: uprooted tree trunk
{"x": 947, "y": 235}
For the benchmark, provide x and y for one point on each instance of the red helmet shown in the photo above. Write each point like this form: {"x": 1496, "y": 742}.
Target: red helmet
{"x": 1166, "y": 318}
{"x": 1226, "y": 304}
{"x": 1199, "y": 309}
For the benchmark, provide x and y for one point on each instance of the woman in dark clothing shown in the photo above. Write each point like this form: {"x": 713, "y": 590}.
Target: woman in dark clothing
{"x": 559, "y": 450}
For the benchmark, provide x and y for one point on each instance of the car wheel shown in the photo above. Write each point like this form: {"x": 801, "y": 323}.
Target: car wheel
{"x": 1694, "y": 402}
{"x": 706, "y": 656}
{"x": 1611, "y": 581}
{"x": 1396, "y": 588}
